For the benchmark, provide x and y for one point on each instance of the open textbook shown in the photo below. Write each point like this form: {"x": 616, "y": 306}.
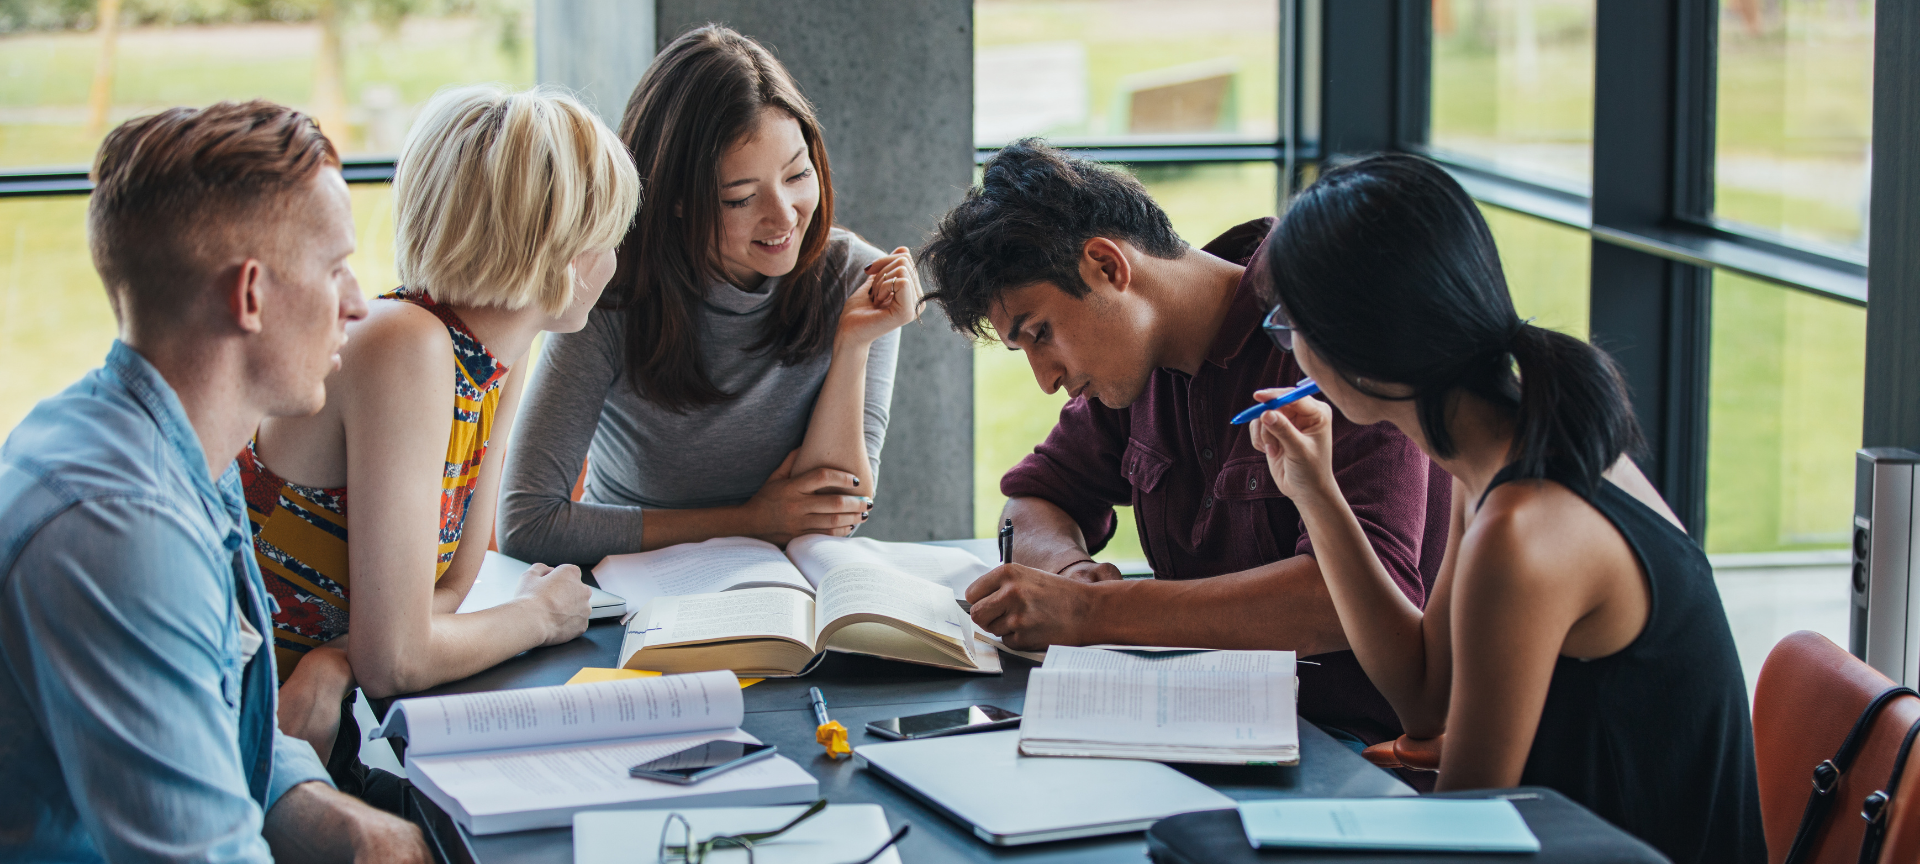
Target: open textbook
{"x": 511, "y": 760}
{"x": 742, "y": 604}
{"x": 1220, "y": 707}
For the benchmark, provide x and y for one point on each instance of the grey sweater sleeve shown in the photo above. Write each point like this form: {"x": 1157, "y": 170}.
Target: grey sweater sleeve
{"x": 539, "y": 521}
{"x": 883, "y": 357}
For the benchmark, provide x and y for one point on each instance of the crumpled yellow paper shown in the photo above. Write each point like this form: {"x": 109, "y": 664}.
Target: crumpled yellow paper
{"x": 833, "y": 736}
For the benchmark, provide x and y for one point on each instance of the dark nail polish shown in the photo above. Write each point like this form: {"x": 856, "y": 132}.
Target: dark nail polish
{"x": 863, "y": 516}
{"x": 856, "y": 481}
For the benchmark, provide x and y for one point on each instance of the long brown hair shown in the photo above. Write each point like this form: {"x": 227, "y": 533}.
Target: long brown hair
{"x": 703, "y": 93}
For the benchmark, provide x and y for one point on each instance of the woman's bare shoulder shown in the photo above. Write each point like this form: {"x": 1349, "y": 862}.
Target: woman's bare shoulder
{"x": 399, "y": 351}
{"x": 1529, "y": 529}
{"x": 395, "y": 331}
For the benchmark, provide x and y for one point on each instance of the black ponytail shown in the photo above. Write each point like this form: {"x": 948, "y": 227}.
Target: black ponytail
{"x": 1388, "y": 270}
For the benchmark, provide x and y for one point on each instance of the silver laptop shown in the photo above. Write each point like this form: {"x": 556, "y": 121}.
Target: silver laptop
{"x": 983, "y": 782}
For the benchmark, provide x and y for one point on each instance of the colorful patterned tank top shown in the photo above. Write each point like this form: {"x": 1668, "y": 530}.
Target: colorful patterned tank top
{"x": 300, "y": 532}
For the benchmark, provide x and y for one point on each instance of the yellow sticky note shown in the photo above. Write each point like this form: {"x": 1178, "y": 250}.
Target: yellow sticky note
{"x": 594, "y": 675}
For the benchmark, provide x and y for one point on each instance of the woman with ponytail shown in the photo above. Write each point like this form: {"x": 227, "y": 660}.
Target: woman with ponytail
{"x": 1574, "y": 638}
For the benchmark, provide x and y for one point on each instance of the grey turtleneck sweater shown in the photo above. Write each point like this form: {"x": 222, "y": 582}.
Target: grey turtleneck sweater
{"x": 641, "y": 456}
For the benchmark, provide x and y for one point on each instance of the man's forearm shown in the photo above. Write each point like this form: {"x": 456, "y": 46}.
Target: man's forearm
{"x": 314, "y": 823}
{"x": 1045, "y": 537}
{"x": 1282, "y": 606}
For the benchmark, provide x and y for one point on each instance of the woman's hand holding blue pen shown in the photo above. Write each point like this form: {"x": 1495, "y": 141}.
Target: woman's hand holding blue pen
{"x": 1298, "y": 442}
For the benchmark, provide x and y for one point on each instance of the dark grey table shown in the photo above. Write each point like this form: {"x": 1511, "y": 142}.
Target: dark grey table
{"x": 861, "y": 689}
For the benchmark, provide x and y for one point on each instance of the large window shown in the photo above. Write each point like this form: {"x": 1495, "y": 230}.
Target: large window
{"x": 360, "y": 68}
{"x": 1126, "y": 70}
{"x": 1512, "y": 86}
{"x": 1795, "y": 118}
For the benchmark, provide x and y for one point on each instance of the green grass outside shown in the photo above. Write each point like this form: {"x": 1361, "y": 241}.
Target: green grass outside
{"x": 1121, "y": 39}
{"x": 197, "y": 65}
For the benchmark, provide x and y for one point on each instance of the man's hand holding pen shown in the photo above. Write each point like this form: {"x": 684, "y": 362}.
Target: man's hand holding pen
{"x": 1030, "y": 609}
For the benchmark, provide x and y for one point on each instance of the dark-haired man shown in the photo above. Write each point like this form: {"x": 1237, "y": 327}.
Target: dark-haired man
{"x": 1160, "y": 345}
{"x": 137, "y": 699}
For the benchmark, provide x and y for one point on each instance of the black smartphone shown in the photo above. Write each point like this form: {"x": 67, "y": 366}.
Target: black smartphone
{"x": 973, "y": 718}
{"x": 701, "y": 761}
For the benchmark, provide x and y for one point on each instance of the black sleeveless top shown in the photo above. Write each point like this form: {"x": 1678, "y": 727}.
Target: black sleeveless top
{"x": 1656, "y": 738}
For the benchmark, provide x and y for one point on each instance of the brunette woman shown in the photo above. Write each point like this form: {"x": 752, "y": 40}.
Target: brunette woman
{"x": 1574, "y": 638}
{"x": 736, "y": 378}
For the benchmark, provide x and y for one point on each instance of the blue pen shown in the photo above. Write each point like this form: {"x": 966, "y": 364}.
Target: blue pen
{"x": 1300, "y": 391}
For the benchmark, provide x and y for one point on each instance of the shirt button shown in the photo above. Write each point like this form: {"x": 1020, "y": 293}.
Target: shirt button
{"x": 1253, "y": 483}
{"x": 1206, "y": 501}
{"x": 1206, "y": 454}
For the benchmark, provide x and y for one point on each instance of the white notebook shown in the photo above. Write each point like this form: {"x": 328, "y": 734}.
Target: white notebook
{"x": 1007, "y": 799}
{"x": 1219, "y": 707}
{"x": 836, "y": 835}
{"x": 1411, "y": 824}
{"x": 500, "y": 576}
{"x": 511, "y": 760}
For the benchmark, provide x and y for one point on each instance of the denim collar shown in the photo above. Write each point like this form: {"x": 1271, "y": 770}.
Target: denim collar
{"x": 161, "y": 403}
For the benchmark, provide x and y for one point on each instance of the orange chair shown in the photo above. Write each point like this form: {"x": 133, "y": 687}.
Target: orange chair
{"x": 1809, "y": 696}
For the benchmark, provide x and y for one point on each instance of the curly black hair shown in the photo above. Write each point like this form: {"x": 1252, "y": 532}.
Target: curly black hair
{"x": 1026, "y": 223}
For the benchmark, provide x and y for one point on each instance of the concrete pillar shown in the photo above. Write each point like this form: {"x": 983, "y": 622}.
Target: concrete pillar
{"x": 595, "y": 48}
{"x": 893, "y": 85}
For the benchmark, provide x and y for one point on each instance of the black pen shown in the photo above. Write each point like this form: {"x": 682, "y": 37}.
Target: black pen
{"x": 1006, "y": 555}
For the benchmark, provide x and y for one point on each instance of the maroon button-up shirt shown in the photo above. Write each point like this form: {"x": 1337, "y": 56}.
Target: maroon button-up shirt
{"x": 1205, "y": 502}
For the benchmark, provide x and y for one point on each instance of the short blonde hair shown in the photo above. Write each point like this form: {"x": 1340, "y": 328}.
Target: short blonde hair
{"x": 499, "y": 191}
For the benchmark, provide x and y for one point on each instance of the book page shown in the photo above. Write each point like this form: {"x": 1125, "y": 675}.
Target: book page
{"x": 541, "y": 716}
{"x": 1208, "y": 699}
{"x": 859, "y": 588}
{"x": 720, "y": 564}
{"x": 744, "y": 614}
{"x": 817, "y": 555}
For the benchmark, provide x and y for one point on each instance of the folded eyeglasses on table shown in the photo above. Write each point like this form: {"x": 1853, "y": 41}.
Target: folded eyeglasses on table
{"x": 689, "y": 852}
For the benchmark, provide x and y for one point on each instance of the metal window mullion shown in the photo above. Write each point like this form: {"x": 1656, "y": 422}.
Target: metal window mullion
{"x": 1651, "y": 312}
{"x": 1892, "y": 403}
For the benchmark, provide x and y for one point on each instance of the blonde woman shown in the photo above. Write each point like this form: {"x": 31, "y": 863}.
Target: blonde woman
{"x": 509, "y": 208}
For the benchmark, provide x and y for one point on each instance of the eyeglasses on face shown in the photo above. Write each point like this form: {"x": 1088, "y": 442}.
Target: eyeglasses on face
{"x": 1278, "y": 328}
{"x": 689, "y": 852}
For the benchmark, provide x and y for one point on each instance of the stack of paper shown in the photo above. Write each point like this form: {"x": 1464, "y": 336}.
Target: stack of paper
{"x": 510, "y": 760}
{"x": 1221, "y": 707}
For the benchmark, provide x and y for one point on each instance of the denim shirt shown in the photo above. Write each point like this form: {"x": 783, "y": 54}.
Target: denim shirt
{"x": 131, "y": 726}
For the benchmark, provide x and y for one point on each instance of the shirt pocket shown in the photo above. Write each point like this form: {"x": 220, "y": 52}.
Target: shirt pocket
{"x": 1245, "y": 479}
{"x": 1245, "y": 487}
{"x": 1143, "y": 467}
